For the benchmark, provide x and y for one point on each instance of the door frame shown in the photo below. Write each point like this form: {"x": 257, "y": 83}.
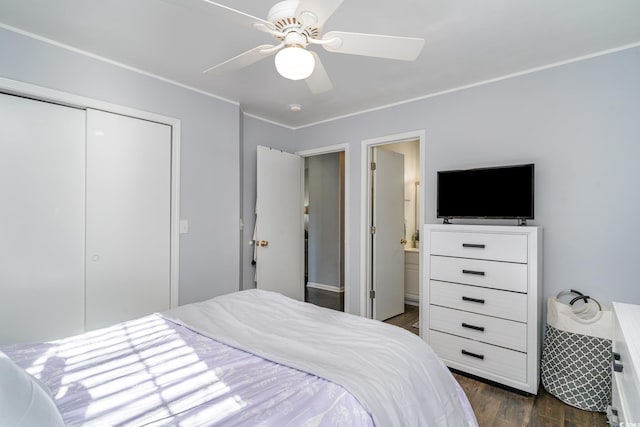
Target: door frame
{"x": 365, "y": 208}
{"x": 14, "y": 87}
{"x": 336, "y": 149}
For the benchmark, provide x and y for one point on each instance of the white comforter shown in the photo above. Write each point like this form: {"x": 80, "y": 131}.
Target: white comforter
{"x": 394, "y": 374}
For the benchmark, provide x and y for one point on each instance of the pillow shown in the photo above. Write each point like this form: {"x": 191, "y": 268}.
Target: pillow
{"x": 23, "y": 400}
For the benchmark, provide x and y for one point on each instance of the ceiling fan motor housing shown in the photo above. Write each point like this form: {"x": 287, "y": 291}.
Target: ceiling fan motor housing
{"x": 283, "y": 16}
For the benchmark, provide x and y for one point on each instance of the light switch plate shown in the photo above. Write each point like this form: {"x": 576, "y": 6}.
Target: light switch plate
{"x": 184, "y": 226}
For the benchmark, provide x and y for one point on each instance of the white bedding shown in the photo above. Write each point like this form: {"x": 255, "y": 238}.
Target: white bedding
{"x": 154, "y": 372}
{"x": 394, "y": 374}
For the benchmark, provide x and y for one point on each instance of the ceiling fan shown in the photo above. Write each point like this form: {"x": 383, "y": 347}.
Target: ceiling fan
{"x": 296, "y": 24}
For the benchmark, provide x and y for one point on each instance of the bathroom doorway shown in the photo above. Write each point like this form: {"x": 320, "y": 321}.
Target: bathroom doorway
{"x": 403, "y": 286}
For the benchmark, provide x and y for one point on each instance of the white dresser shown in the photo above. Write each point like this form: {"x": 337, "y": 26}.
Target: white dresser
{"x": 625, "y": 402}
{"x": 481, "y": 310}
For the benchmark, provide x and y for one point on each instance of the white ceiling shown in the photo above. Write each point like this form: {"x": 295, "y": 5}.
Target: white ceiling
{"x": 467, "y": 42}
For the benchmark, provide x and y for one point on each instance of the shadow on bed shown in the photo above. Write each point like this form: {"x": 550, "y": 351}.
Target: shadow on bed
{"x": 152, "y": 370}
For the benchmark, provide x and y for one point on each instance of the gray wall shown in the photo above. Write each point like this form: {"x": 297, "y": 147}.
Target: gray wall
{"x": 210, "y": 178}
{"x": 579, "y": 123}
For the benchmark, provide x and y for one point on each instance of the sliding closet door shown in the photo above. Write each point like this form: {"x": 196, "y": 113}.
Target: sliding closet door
{"x": 42, "y": 184}
{"x": 128, "y": 218}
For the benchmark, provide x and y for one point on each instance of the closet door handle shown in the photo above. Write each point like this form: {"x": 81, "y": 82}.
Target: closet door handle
{"x": 477, "y": 356}
{"x": 479, "y": 301}
{"x": 477, "y": 328}
{"x": 475, "y": 273}
{"x": 472, "y": 245}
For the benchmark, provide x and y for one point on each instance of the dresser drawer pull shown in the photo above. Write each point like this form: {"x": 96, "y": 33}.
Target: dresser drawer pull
{"x": 477, "y": 328}
{"x": 616, "y": 356}
{"x": 477, "y": 356}
{"x": 612, "y": 416}
{"x": 479, "y": 301}
{"x": 617, "y": 367}
{"x": 475, "y": 273}
{"x": 472, "y": 245}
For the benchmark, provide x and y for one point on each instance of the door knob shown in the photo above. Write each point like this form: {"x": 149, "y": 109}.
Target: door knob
{"x": 264, "y": 243}
{"x": 403, "y": 241}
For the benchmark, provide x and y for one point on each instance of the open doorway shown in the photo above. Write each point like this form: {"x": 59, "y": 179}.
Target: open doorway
{"x": 325, "y": 228}
{"x": 397, "y": 250}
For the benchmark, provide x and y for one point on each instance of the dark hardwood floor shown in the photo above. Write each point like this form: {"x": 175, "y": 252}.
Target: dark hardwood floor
{"x": 407, "y": 319}
{"x": 328, "y": 299}
{"x": 495, "y": 406}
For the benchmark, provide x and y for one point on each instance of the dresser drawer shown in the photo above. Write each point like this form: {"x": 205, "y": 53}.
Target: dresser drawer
{"x": 491, "y": 330}
{"x": 490, "y": 302}
{"x": 488, "y": 274}
{"x": 498, "y": 247}
{"x": 617, "y": 402}
{"x": 626, "y": 342}
{"x": 461, "y": 353}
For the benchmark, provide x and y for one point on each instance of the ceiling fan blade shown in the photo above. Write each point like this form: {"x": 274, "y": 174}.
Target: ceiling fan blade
{"x": 225, "y": 12}
{"x": 319, "y": 81}
{"x": 391, "y": 47}
{"x": 322, "y": 9}
{"x": 244, "y": 59}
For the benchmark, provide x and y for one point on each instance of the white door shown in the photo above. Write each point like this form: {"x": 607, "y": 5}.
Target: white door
{"x": 42, "y": 188}
{"x": 279, "y": 223}
{"x": 128, "y": 218}
{"x": 388, "y": 246}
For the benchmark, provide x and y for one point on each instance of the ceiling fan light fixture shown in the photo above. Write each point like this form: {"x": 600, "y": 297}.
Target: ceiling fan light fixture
{"x": 295, "y": 63}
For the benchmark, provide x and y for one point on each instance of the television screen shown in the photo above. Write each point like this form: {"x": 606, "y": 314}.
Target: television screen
{"x": 504, "y": 192}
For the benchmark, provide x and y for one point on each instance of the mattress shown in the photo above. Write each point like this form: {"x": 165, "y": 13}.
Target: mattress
{"x": 247, "y": 359}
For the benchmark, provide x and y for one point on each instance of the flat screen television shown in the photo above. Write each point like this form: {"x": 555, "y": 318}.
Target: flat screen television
{"x": 504, "y": 192}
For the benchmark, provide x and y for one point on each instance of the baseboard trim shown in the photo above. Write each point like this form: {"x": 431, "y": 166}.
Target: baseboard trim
{"x": 325, "y": 287}
{"x": 411, "y": 299}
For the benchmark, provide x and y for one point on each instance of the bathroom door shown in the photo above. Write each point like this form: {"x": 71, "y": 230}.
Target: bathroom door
{"x": 388, "y": 235}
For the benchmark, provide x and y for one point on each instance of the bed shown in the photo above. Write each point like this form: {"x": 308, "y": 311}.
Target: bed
{"x": 244, "y": 359}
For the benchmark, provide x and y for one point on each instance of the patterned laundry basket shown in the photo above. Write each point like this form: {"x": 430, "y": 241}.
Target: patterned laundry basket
{"x": 576, "y": 356}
